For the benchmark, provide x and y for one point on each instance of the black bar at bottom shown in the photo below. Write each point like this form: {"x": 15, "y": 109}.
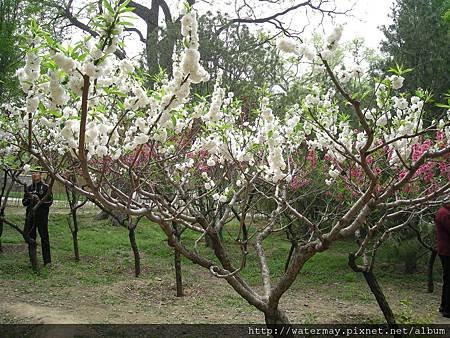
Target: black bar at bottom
{"x": 219, "y": 330}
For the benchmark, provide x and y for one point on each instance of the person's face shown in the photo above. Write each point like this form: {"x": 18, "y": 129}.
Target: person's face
{"x": 36, "y": 177}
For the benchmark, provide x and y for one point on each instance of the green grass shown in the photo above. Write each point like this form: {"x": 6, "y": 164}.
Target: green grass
{"x": 106, "y": 256}
{"x": 107, "y": 259}
{"x": 104, "y": 249}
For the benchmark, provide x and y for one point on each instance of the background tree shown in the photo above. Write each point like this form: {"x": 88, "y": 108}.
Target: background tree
{"x": 418, "y": 38}
{"x": 162, "y": 24}
{"x": 15, "y": 15}
{"x": 9, "y": 53}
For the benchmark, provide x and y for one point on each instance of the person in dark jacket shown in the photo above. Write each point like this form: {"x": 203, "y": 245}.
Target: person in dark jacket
{"x": 38, "y": 198}
{"x": 442, "y": 220}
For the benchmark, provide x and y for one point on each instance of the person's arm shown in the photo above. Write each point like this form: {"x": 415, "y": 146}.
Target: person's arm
{"x": 26, "y": 198}
{"x": 48, "y": 198}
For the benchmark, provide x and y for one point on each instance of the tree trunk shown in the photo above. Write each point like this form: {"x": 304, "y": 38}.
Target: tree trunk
{"x": 288, "y": 260}
{"x": 380, "y": 297}
{"x": 178, "y": 278}
{"x": 430, "y": 287}
{"x": 276, "y": 317}
{"x": 177, "y": 261}
{"x": 376, "y": 290}
{"x": 102, "y": 215}
{"x": 152, "y": 42}
{"x": 137, "y": 258}
{"x": 278, "y": 322}
{"x": 1, "y": 232}
{"x": 76, "y": 251}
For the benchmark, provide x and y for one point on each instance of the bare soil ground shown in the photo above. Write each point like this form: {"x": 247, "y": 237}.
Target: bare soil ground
{"x": 150, "y": 299}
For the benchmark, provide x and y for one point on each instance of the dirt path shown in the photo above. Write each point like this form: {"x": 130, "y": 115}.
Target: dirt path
{"x": 39, "y": 314}
{"x": 154, "y": 301}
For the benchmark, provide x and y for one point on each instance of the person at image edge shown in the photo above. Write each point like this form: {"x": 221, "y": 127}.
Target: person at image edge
{"x": 442, "y": 220}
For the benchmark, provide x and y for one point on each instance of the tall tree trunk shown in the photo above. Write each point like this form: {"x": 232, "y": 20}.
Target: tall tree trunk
{"x": 376, "y": 291}
{"x": 1, "y": 230}
{"x": 177, "y": 262}
{"x": 276, "y": 317}
{"x": 178, "y": 277}
{"x": 76, "y": 251}
{"x": 277, "y": 321}
{"x": 152, "y": 41}
{"x": 380, "y": 297}
{"x": 288, "y": 260}
{"x": 430, "y": 286}
{"x": 137, "y": 257}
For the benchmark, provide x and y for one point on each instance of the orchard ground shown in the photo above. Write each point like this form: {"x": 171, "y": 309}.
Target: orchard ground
{"x": 101, "y": 288}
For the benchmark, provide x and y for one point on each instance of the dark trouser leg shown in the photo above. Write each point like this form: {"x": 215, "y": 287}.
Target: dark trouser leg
{"x": 29, "y": 235}
{"x": 42, "y": 225}
{"x": 1, "y": 232}
{"x": 445, "y": 299}
{"x": 30, "y": 227}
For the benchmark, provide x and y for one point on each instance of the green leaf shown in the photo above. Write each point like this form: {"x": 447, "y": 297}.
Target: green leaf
{"x": 126, "y": 23}
{"x": 41, "y": 107}
{"x": 127, "y": 9}
{"x": 55, "y": 113}
{"x": 442, "y": 105}
{"x": 398, "y": 70}
{"x": 108, "y": 6}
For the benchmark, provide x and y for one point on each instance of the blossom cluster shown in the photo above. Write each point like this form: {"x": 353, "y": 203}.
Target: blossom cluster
{"x": 206, "y": 142}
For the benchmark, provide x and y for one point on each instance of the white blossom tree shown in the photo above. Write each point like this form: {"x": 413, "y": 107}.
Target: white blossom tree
{"x": 195, "y": 163}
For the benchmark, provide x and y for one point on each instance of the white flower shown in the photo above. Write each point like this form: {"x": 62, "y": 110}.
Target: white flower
{"x": 307, "y": 52}
{"x": 334, "y": 173}
{"x": 126, "y": 66}
{"x": 190, "y": 163}
{"x": 67, "y": 132}
{"x": 222, "y": 198}
{"x": 415, "y": 99}
{"x": 96, "y": 53}
{"x": 211, "y": 162}
{"x": 116, "y": 154}
{"x": 327, "y": 54}
{"x": 101, "y": 151}
{"x": 287, "y": 45}
{"x": 382, "y": 120}
{"x": 66, "y": 63}
{"x": 397, "y": 81}
{"x": 216, "y": 197}
{"x": 370, "y": 114}
{"x": 89, "y": 69}
{"x": 400, "y": 103}
{"x": 26, "y": 168}
{"x": 141, "y": 138}
{"x": 187, "y": 21}
{"x": 32, "y": 104}
{"x": 335, "y": 36}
